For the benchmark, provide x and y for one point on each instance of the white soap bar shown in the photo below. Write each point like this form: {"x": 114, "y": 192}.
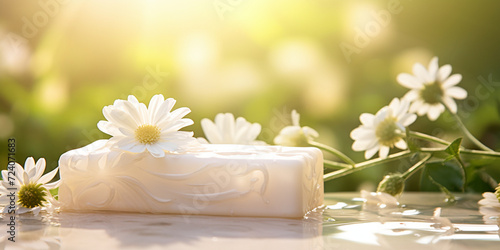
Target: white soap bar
{"x": 230, "y": 180}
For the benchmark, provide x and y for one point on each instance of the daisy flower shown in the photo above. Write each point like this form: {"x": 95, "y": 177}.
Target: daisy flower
{"x": 295, "y": 136}
{"x": 136, "y": 128}
{"x": 227, "y": 130}
{"x": 431, "y": 88}
{"x": 383, "y": 131}
{"x": 490, "y": 206}
{"x": 32, "y": 189}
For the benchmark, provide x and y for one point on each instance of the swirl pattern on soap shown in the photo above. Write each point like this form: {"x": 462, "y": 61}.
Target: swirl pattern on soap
{"x": 110, "y": 180}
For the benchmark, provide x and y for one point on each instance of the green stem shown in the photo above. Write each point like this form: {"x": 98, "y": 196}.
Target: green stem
{"x": 429, "y": 138}
{"x": 467, "y": 133}
{"x": 480, "y": 152}
{"x": 366, "y": 164}
{"x": 415, "y": 167}
{"x": 335, "y": 152}
{"x": 464, "y": 175}
{"x": 463, "y": 151}
{"x": 335, "y": 165}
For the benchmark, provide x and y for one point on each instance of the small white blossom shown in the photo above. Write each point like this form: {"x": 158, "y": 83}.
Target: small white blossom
{"x": 227, "y": 130}
{"x": 384, "y": 130}
{"x": 431, "y": 88}
{"x": 295, "y": 136}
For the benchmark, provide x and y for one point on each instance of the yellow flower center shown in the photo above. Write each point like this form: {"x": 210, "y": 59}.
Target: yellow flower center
{"x": 32, "y": 195}
{"x": 432, "y": 93}
{"x": 147, "y": 134}
{"x": 387, "y": 132}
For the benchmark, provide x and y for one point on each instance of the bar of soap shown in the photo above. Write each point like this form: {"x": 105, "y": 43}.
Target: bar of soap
{"x": 216, "y": 179}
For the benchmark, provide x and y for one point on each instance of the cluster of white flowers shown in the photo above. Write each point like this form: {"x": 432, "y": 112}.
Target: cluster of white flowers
{"x": 431, "y": 90}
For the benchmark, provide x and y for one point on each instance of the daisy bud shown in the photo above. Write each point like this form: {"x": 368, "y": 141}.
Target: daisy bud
{"x": 295, "y": 136}
{"x": 392, "y": 184}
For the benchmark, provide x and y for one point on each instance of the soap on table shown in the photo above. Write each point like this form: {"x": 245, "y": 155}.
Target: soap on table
{"x": 216, "y": 179}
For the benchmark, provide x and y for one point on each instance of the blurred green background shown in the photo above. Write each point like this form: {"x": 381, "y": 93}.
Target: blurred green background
{"x": 61, "y": 62}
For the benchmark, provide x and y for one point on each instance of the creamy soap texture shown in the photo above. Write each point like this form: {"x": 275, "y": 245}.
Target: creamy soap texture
{"x": 232, "y": 180}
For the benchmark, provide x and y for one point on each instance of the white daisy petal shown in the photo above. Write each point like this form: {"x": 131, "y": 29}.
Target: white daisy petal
{"x": 52, "y": 185}
{"x": 433, "y": 113}
{"x": 154, "y": 105}
{"x": 409, "y": 81}
{"x": 134, "y": 148}
{"x": 48, "y": 177}
{"x": 420, "y": 72}
{"x": 411, "y": 95}
{"x": 156, "y": 151}
{"x": 452, "y": 81}
{"x": 174, "y": 126}
{"x": 121, "y": 119}
{"x": 108, "y": 128}
{"x": 371, "y": 152}
{"x": 367, "y": 119}
{"x": 383, "y": 152}
{"x": 132, "y": 99}
{"x": 401, "y": 144}
{"x": 407, "y": 119}
{"x": 133, "y": 113}
{"x": 457, "y": 93}
{"x": 295, "y": 118}
{"x": 310, "y": 132}
{"x": 29, "y": 165}
{"x": 362, "y": 133}
{"x": 39, "y": 169}
{"x": 210, "y": 130}
{"x": 423, "y": 109}
{"x": 19, "y": 174}
{"x": 444, "y": 72}
{"x": 448, "y": 101}
{"x": 415, "y": 106}
{"x": 433, "y": 68}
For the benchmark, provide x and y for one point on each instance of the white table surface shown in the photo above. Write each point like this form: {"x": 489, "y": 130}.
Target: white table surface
{"x": 345, "y": 223}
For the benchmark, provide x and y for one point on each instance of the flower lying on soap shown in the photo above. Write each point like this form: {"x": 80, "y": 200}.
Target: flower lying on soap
{"x": 226, "y": 130}
{"x": 135, "y": 127}
{"x": 295, "y": 136}
{"x": 32, "y": 188}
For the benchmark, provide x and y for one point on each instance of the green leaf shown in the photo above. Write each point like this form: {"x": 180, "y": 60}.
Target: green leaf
{"x": 448, "y": 174}
{"x": 450, "y": 198}
{"x": 454, "y": 147}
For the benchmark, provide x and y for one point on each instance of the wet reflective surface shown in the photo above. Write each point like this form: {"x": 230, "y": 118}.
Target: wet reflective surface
{"x": 345, "y": 223}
